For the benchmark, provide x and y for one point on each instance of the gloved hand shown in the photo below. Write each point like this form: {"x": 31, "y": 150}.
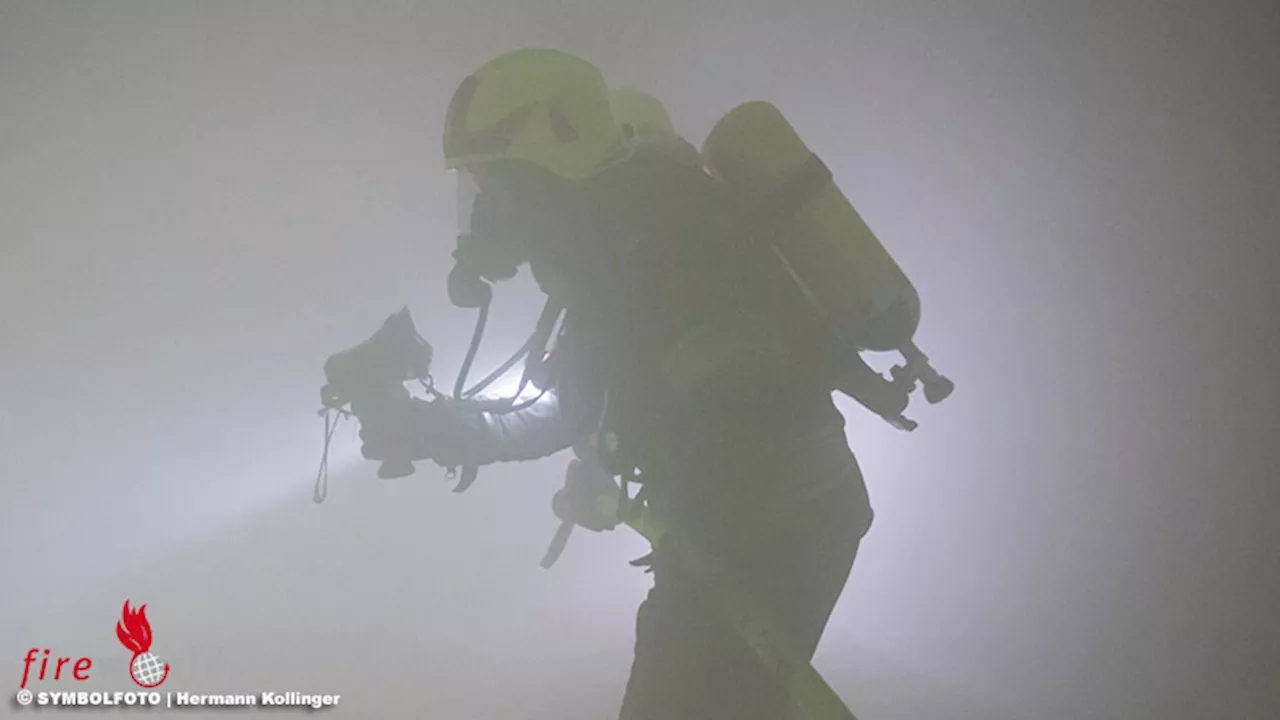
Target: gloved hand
{"x": 589, "y": 497}
{"x": 416, "y": 429}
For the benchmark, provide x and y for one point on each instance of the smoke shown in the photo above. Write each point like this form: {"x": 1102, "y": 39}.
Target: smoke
{"x": 201, "y": 202}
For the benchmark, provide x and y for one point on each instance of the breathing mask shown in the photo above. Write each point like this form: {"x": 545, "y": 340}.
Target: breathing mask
{"x": 484, "y": 253}
{"x": 507, "y": 212}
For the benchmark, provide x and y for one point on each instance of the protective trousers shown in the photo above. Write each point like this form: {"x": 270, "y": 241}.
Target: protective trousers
{"x": 786, "y": 525}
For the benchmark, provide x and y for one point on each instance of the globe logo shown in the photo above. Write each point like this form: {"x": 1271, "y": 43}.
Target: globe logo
{"x": 134, "y": 631}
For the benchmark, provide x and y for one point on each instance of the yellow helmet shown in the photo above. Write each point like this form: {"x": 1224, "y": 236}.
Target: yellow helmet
{"x": 643, "y": 121}
{"x": 541, "y": 106}
{"x": 639, "y": 115}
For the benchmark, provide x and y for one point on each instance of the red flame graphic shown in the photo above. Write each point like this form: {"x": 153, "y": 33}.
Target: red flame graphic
{"x": 134, "y": 630}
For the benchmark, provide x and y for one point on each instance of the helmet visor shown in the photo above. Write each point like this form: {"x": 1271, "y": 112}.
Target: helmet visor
{"x": 467, "y": 192}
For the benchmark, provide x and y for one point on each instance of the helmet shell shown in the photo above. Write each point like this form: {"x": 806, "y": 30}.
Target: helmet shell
{"x": 639, "y": 115}
{"x": 541, "y": 106}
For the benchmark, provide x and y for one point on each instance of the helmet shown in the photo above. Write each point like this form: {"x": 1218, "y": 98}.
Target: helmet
{"x": 541, "y": 106}
{"x": 639, "y": 115}
{"x": 642, "y": 120}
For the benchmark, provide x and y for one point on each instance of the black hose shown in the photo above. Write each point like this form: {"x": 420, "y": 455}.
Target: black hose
{"x": 471, "y": 351}
{"x": 492, "y": 377}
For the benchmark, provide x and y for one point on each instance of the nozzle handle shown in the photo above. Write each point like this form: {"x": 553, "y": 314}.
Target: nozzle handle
{"x": 392, "y": 469}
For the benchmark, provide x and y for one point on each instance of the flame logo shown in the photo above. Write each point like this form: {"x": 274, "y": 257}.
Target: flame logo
{"x": 134, "y": 632}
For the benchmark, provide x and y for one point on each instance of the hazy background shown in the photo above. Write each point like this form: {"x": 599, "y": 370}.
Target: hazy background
{"x": 200, "y": 201}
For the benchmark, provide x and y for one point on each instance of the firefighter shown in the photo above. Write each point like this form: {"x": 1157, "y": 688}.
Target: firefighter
{"x": 685, "y": 352}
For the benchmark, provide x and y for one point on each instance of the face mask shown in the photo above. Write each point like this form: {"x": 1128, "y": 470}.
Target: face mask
{"x": 517, "y": 214}
{"x": 490, "y": 245}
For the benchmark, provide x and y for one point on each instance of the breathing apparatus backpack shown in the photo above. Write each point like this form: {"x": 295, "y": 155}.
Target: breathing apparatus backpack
{"x": 848, "y": 279}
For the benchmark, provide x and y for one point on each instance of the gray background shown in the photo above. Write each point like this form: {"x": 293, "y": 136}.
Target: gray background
{"x": 200, "y": 201}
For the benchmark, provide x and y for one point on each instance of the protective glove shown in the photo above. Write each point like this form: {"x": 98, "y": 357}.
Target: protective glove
{"x": 416, "y": 429}
{"x": 589, "y": 497}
